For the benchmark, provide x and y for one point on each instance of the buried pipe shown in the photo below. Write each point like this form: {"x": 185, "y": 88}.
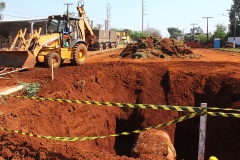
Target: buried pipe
{"x": 11, "y": 90}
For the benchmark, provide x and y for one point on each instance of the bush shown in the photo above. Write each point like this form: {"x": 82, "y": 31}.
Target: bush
{"x": 30, "y": 89}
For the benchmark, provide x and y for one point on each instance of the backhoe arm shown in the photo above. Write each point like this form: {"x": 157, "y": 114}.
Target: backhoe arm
{"x": 84, "y": 26}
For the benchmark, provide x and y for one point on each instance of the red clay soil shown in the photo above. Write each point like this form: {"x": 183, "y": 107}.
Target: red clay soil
{"x": 212, "y": 79}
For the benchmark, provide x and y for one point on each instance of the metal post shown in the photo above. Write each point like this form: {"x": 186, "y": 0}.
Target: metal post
{"x": 234, "y": 28}
{"x": 32, "y": 27}
{"x": 202, "y": 134}
{"x": 142, "y": 14}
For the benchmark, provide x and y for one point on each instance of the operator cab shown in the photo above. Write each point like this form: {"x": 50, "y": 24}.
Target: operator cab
{"x": 57, "y": 24}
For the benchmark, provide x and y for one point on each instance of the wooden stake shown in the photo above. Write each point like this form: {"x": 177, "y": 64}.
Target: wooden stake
{"x": 202, "y": 134}
{"x": 52, "y": 71}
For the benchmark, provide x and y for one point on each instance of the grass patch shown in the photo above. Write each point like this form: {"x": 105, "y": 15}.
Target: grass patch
{"x": 230, "y": 49}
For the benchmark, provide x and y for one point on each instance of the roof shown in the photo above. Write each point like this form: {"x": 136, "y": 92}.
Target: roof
{"x": 23, "y": 20}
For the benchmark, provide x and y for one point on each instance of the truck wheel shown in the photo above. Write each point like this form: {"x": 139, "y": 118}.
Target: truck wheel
{"x": 52, "y": 58}
{"x": 80, "y": 54}
{"x": 100, "y": 47}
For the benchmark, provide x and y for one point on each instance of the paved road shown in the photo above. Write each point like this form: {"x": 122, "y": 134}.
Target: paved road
{"x": 91, "y": 53}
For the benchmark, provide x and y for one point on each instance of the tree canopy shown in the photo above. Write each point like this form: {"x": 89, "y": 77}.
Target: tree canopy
{"x": 98, "y": 26}
{"x": 234, "y": 17}
{"x": 220, "y": 32}
{"x": 174, "y": 32}
{"x": 136, "y": 35}
{"x": 2, "y": 6}
{"x": 153, "y": 32}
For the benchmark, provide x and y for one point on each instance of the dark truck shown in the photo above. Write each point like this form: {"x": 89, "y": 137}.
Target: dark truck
{"x": 105, "y": 39}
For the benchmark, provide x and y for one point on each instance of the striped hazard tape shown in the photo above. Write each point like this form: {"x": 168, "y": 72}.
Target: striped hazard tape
{"x": 221, "y": 114}
{"x": 13, "y": 71}
{"x": 129, "y": 105}
{"x": 223, "y": 109}
{"x": 112, "y": 135}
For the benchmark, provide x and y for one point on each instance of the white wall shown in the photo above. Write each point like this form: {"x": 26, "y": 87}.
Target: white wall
{"x": 237, "y": 40}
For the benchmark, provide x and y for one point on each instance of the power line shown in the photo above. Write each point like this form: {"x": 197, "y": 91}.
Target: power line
{"x": 207, "y": 26}
{"x": 68, "y": 6}
{"x": 22, "y": 13}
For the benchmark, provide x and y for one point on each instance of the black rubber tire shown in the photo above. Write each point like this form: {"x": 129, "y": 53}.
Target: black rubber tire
{"x": 80, "y": 54}
{"x": 52, "y": 56}
{"x": 100, "y": 46}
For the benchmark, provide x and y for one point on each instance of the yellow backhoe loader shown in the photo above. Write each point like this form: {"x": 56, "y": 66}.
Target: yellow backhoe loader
{"x": 53, "y": 47}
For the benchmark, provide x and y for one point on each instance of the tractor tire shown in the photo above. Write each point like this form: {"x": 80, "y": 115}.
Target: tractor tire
{"x": 54, "y": 58}
{"x": 80, "y": 54}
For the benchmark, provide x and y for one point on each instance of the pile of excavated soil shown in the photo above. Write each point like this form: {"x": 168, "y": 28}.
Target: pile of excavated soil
{"x": 213, "y": 79}
{"x": 197, "y": 44}
{"x": 149, "y": 47}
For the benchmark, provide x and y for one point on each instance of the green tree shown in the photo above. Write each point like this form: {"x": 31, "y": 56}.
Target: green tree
{"x": 188, "y": 37}
{"x": 220, "y": 32}
{"x": 153, "y": 32}
{"x": 136, "y": 35}
{"x": 174, "y": 32}
{"x": 115, "y": 29}
{"x": 201, "y": 37}
{"x": 98, "y": 26}
{"x": 2, "y": 6}
{"x": 234, "y": 15}
{"x": 127, "y": 32}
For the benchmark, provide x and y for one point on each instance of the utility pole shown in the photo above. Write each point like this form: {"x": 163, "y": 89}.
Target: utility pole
{"x": 143, "y": 14}
{"x": 234, "y": 26}
{"x": 183, "y": 34}
{"x": 108, "y": 15}
{"x": 105, "y": 21}
{"x": 68, "y": 6}
{"x": 207, "y": 26}
{"x": 193, "y": 30}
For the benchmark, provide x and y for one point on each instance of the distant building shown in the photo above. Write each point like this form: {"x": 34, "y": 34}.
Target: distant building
{"x": 10, "y": 28}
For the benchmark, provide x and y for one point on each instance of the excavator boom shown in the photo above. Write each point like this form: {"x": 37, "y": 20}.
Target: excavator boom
{"x": 85, "y": 27}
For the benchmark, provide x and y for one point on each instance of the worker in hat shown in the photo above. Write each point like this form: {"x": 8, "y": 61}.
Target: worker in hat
{"x": 213, "y": 158}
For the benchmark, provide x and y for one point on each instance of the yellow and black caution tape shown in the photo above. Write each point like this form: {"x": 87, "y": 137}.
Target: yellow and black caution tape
{"x": 221, "y": 114}
{"x": 129, "y": 105}
{"x": 19, "y": 69}
{"x": 112, "y": 135}
{"x": 223, "y": 109}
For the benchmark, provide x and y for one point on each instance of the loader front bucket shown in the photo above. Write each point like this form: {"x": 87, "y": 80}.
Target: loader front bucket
{"x": 17, "y": 59}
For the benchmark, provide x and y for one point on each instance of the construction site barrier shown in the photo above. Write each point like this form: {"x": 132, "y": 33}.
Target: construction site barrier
{"x": 129, "y": 105}
{"x": 221, "y": 114}
{"x": 71, "y": 139}
{"x": 19, "y": 69}
{"x": 121, "y": 105}
{"x": 196, "y": 111}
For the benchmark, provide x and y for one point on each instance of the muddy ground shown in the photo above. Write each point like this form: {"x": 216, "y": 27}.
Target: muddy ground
{"x": 212, "y": 79}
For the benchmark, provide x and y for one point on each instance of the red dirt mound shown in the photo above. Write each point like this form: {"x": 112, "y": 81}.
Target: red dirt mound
{"x": 197, "y": 44}
{"x": 149, "y": 47}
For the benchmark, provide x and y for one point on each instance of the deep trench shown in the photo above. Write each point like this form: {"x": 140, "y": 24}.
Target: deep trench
{"x": 186, "y": 133}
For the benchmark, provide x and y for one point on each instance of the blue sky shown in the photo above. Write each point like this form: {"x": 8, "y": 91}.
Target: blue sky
{"x": 128, "y": 13}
